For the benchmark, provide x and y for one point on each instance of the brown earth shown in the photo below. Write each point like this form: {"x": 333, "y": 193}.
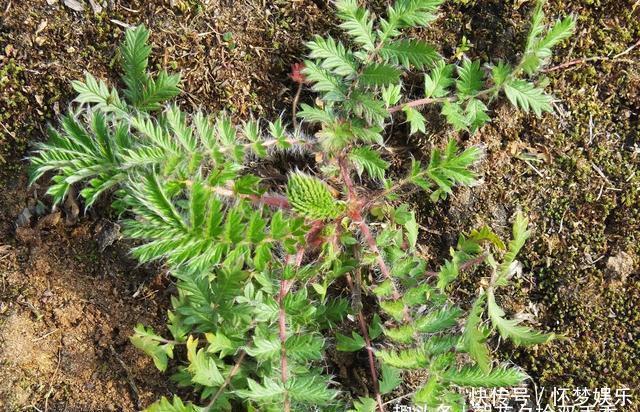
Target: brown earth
{"x": 67, "y": 308}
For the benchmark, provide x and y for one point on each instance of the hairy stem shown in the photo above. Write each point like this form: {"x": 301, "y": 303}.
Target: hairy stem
{"x": 294, "y": 106}
{"x": 431, "y": 100}
{"x": 282, "y": 323}
{"x": 356, "y": 215}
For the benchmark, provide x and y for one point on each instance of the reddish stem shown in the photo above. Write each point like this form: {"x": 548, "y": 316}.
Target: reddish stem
{"x": 271, "y": 200}
{"x": 284, "y": 286}
{"x": 356, "y": 214}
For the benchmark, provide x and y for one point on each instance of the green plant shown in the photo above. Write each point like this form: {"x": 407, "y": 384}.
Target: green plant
{"x": 258, "y": 266}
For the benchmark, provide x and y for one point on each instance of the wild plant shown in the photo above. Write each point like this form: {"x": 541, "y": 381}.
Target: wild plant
{"x": 274, "y": 273}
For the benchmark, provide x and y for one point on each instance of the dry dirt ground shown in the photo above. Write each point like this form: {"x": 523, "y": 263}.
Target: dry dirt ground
{"x": 67, "y": 307}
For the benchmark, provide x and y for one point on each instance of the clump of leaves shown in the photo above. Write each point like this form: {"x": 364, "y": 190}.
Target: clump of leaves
{"x": 255, "y": 262}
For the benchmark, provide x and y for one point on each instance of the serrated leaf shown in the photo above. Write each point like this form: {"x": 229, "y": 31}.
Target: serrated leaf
{"x": 366, "y": 159}
{"x": 390, "y": 379}
{"x": 415, "y": 119}
{"x": 202, "y": 367}
{"x": 411, "y": 226}
{"x": 455, "y": 116}
{"x": 311, "y": 197}
{"x": 429, "y": 393}
{"x": 391, "y": 94}
{"x": 394, "y": 308}
{"x": 347, "y": 344}
{"x": 379, "y": 75}
{"x": 135, "y": 55}
{"x": 315, "y": 114}
{"x": 264, "y": 348}
{"x": 310, "y": 389}
{"x": 409, "y": 53}
{"x": 500, "y": 73}
{"x": 450, "y": 167}
{"x": 401, "y": 334}
{"x": 520, "y": 234}
{"x": 470, "y": 78}
{"x": 526, "y": 96}
{"x": 438, "y": 320}
{"x": 333, "y": 55}
{"x": 323, "y": 81}
{"x": 476, "y": 113}
{"x": 357, "y": 23}
{"x": 153, "y": 345}
{"x": 560, "y": 31}
{"x": 438, "y": 80}
{"x": 268, "y": 390}
{"x": 364, "y": 405}
{"x": 176, "y": 405}
{"x": 473, "y": 376}
{"x": 304, "y": 347}
{"x": 474, "y": 336}
{"x": 511, "y": 328}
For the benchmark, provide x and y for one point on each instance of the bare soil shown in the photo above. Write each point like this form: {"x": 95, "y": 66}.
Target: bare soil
{"x": 67, "y": 307}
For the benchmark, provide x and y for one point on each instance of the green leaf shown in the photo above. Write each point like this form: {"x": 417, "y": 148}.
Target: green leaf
{"x": 562, "y": 30}
{"x": 455, "y": 115}
{"x": 394, "y": 308}
{"x": 379, "y": 75}
{"x": 158, "y": 90}
{"x": 135, "y": 55}
{"x": 511, "y": 328}
{"x": 98, "y": 93}
{"x": 310, "y": 389}
{"x": 267, "y": 391}
{"x": 153, "y": 345}
{"x": 304, "y": 348}
{"x": 470, "y": 78}
{"x": 324, "y": 81}
{"x": 415, "y": 119}
{"x": 519, "y": 237}
{"x": 279, "y": 226}
{"x": 164, "y": 405}
{"x": 315, "y": 114}
{"x": 476, "y": 113}
{"x": 390, "y": 379}
{"x": 264, "y": 348}
{"x": 526, "y": 96}
{"x": 440, "y": 77}
{"x": 438, "y": 320}
{"x": 202, "y": 367}
{"x": 449, "y": 168}
{"x": 391, "y": 94}
{"x": 366, "y": 159}
{"x": 347, "y": 344}
{"x": 384, "y": 289}
{"x": 401, "y": 334}
{"x": 311, "y": 197}
{"x": 429, "y": 393}
{"x": 364, "y": 405}
{"x": 474, "y": 336}
{"x": 357, "y": 23}
{"x": 500, "y": 73}
{"x": 409, "y": 53}
{"x": 473, "y": 376}
{"x": 333, "y": 55}
{"x": 411, "y": 226}
{"x": 420, "y": 357}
